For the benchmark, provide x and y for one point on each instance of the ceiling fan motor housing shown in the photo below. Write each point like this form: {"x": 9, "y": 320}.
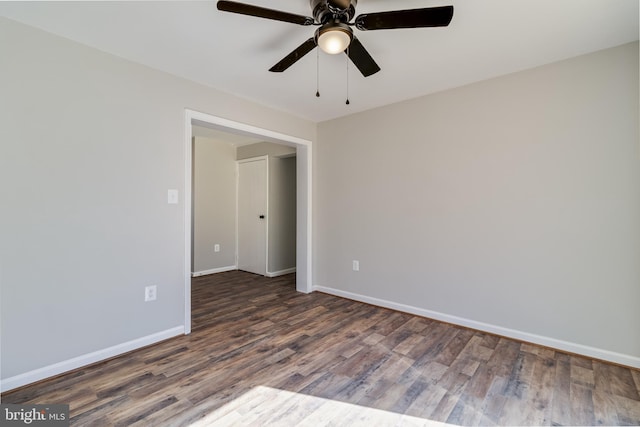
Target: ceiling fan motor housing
{"x": 324, "y": 11}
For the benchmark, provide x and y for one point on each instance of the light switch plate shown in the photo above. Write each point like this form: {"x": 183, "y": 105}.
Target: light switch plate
{"x": 172, "y": 197}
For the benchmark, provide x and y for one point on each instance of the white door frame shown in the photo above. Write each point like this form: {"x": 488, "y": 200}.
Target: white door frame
{"x": 304, "y": 196}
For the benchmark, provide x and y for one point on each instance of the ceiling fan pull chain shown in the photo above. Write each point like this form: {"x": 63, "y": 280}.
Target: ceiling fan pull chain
{"x": 317, "y": 73}
{"x": 347, "y": 77}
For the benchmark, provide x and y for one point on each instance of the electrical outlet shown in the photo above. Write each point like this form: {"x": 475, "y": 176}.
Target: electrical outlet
{"x": 216, "y": 248}
{"x": 150, "y": 293}
{"x": 356, "y": 265}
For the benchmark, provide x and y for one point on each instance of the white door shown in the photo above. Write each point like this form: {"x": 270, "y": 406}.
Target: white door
{"x": 252, "y": 216}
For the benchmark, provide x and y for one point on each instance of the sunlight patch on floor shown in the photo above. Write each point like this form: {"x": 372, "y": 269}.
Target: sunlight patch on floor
{"x": 266, "y": 406}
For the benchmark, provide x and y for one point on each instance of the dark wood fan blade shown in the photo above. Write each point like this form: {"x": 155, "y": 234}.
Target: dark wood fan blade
{"x": 361, "y": 58}
{"x": 410, "y": 18}
{"x": 263, "y": 12}
{"x": 294, "y": 56}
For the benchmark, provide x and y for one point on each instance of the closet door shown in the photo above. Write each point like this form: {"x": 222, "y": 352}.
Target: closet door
{"x": 252, "y": 215}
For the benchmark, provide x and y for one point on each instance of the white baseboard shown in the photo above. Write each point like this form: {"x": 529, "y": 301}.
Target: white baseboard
{"x": 214, "y": 271}
{"x": 596, "y": 353}
{"x": 86, "y": 359}
{"x": 281, "y": 272}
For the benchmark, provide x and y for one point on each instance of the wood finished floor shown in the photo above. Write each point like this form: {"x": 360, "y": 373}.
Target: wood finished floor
{"x": 262, "y": 354}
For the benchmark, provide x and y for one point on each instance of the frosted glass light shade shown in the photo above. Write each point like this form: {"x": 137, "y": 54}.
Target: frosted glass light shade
{"x": 334, "y": 40}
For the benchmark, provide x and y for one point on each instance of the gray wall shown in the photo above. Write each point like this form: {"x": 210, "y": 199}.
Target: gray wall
{"x": 89, "y": 145}
{"x": 214, "y": 204}
{"x": 513, "y": 202}
{"x": 264, "y": 149}
{"x": 282, "y": 214}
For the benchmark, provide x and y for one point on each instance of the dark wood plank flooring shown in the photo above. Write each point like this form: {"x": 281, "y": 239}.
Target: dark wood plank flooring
{"x": 262, "y": 354}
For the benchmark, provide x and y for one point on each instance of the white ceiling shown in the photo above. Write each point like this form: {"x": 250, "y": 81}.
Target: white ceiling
{"x": 232, "y": 53}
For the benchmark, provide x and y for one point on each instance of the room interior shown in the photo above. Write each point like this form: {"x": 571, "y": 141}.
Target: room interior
{"x": 487, "y": 177}
{"x": 216, "y": 205}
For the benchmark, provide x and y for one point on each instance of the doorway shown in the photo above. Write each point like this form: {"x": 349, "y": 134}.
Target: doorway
{"x": 303, "y": 195}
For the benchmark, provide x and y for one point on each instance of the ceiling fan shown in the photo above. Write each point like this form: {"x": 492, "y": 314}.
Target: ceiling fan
{"x": 335, "y": 33}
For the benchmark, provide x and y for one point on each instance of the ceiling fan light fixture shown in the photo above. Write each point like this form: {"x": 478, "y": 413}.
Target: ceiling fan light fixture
{"x": 334, "y": 38}
{"x": 335, "y": 32}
